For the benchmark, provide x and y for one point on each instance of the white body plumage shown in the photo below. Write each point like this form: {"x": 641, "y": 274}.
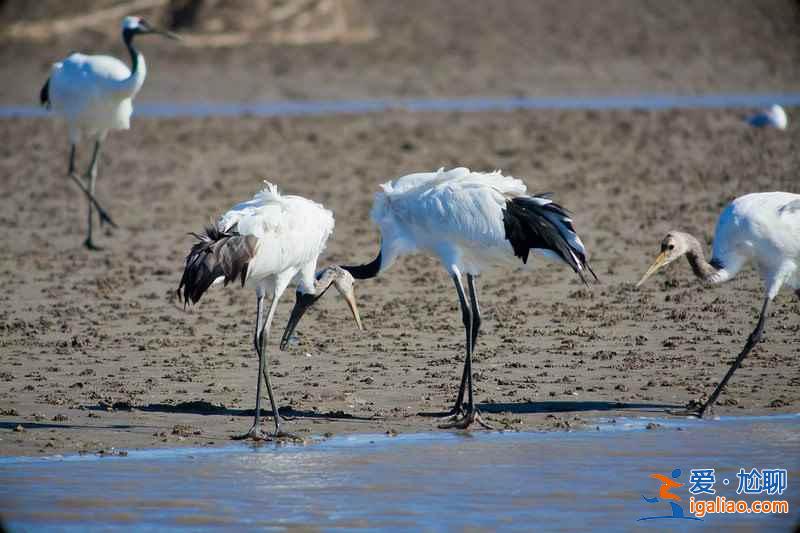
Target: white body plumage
{"x": 94, "y": 94}
{"x": 458, "y": 216}
{"x": 764, "y": 227}
{"x": 290, "y": 232}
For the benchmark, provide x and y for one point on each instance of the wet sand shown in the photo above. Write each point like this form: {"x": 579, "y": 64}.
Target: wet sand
{"x": 96, "y": 352}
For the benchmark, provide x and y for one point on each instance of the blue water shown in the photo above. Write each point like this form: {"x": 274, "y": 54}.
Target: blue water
{"x": 592, "y": 479}
{"x": 332, "y": 107}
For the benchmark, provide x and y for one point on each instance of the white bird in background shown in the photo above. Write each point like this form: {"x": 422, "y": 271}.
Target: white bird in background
{"x": 764, "y": 227}
{"x": 95, "y": 94}
{"x": 471, "y": 221}
{"x": 266, "y": 243}
{"x": 772, "y": 116}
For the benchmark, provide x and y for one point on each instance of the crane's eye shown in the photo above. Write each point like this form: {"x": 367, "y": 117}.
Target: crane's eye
{"x": 671, "y": 246}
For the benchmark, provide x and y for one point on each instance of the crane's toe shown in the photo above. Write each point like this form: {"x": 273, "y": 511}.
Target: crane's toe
{"x": 471, "y": 416}
{"x": 456, "y": 413}
{"x": 105, "y": 218}
{"x": 91, "y": 246}
{"x": 695, "y": 408}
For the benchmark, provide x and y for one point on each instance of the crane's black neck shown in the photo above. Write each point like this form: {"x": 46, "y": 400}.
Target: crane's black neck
{"x": 127, "y": 37}
{"x": 370, "y": 270}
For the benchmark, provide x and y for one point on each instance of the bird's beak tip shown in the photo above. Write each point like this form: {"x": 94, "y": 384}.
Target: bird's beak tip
{"x": 660, "y": 261}
{"x": 168, "y": 34}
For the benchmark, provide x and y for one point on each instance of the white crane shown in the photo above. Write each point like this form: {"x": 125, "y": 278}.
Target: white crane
{"x": 764, "y": 227}
{"x": 773, "y": 116}
{"x": 471, "y": 221}
{"x": 94, "y": 94}
{"x": 266, "y": 243}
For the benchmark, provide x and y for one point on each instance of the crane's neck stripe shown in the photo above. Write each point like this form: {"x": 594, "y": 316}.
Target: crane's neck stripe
{"x": 127, "y": 36}
{"x": 370, "y": 270}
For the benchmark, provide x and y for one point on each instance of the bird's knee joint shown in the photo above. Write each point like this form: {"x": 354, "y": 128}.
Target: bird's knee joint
{"x": 466, "y": 317}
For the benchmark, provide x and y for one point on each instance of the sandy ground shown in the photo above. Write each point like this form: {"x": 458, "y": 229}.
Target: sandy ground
{"x": 95, "y": 351}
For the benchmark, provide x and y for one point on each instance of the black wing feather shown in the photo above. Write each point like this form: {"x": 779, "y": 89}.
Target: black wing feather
{"x": 217, "y": 253}
{"x": 527, "y": 226}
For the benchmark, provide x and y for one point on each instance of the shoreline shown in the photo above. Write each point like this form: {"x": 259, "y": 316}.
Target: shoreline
{"x": 593, "y": 423}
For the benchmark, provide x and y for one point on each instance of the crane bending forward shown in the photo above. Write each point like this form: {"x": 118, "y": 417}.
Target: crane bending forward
{"x": 471, "y": 221}
{"x": 265, "y": 243}
{"x": 95, "y": 94}
{"x": 764, "y": 227}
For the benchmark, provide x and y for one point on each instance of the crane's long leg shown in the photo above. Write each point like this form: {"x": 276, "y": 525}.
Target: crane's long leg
{"x": 72, "y": 150}
{"x": 752, "y": 340}
{"x": 476, "y": 324}
{"x": 255, "y": 431}
{"x": 91, "y": 175}
{"x": 104, "y": 216}
{"x": 471, "y": 415}
{"x": 265, "y": 370}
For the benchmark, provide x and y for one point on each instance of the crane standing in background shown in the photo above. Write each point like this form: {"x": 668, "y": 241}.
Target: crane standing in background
{"x": 94, "y": 93}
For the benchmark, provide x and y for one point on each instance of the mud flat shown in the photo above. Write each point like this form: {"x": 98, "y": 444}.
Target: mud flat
{"x": 97, "y": 353}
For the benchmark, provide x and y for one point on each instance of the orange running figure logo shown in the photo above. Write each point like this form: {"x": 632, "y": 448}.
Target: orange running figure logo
{"x": 667, "y": 484}
{"x": 664, "y": 493}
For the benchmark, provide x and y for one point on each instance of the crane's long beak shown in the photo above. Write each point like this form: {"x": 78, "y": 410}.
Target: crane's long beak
{"x": 660, "y": 261}
{"x": 167, "y": 34}
{"x": 350, "y": 298}
{"x": 305, "y": 301}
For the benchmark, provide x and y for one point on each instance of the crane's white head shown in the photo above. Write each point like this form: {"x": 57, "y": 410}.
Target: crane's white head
{"x": 335, "y": 275}
{"x": 138, "y": 26}
{"x": 132, "y": 23}
{"x": 673, "y": 246}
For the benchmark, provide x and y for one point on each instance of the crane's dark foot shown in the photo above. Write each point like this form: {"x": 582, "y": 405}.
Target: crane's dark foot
{"x": 255, "y": 434}
{"x": 91, "y": 246}
{"x": 456, "y": 413}
{"x": 471, "y": 416}
{"x": 695, "y": 408}
{"x": 105, "y": 218}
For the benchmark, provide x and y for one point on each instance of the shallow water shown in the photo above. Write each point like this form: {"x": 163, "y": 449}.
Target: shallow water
{"x": 593, "y": 478}
{"x": 333, "y": 107}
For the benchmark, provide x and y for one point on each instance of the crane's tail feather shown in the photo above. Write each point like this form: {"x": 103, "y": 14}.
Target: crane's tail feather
{"x": 217, "y": 254}
{"x": 44, "y": 95}
{"x": 535, "y": 222}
